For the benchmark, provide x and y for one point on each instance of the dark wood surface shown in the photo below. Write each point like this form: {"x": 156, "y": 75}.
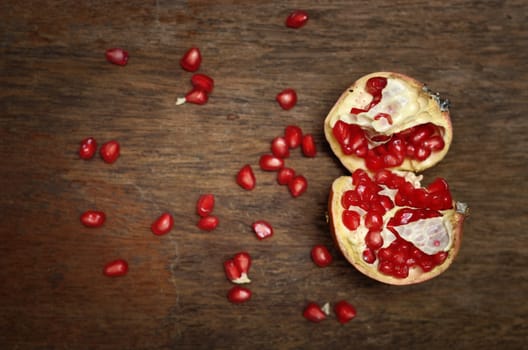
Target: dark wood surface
{"x": 57, "y": 88}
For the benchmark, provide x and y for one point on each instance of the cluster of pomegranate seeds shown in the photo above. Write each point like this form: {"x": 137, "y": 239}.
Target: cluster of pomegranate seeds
{"x": 116, "y": 268}
{"x": 287, "y": 98}
{"x": 162, "y": 225}
{"x": 202, "y": 84}
{"x": 204, "y": 208}
{"x": 344, "y": 312}
{"x": 297, "y": 19}
{"x": 417, "y": 142}
{"x": 321, "y": 256}
{"x": 117, "y": 56}
{"x": 417, "y": 204}
{"x": 237, "y": 268}
{"x": 93, "y": 218}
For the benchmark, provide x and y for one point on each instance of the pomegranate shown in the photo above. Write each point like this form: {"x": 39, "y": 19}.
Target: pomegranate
{"x": 392, "y": 229}
{"x": 389, "y": 120}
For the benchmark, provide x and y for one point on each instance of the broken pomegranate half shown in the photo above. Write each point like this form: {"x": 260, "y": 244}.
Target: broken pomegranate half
{"x": 392, "y": 229}
{"x": 389, "y": 120}
{"x": 383, "y": 129}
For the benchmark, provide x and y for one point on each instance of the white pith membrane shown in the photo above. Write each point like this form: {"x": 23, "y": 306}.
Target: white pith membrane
{"x": 243, "y": 279}
{"x": 408, "y": 103}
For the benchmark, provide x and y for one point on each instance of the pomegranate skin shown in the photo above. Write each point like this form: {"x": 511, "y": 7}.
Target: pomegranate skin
{"x": 353, "y": 253}
{"x": 434, "y": 112}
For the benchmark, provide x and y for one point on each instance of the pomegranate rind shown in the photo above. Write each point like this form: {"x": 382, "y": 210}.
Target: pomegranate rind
{"x": 357, "y": 97}
{"x": 352, "y": 251}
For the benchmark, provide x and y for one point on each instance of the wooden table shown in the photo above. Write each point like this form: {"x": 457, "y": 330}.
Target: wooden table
{"x": 57, "y": 88}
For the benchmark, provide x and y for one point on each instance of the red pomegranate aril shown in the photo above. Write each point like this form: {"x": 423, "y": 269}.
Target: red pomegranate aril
{"x": 321, "y": 256}
{"x": 202, "y": 82}
{"x": 285, "y": 175}
{"x": 375, "y": 84}
{"x": 262, "y": 229}
{"x": 350, "y": 198}
{"x": 382, "y": 177}
{"x": 385, "y": 254}
{"x": 308, "y": 146}
{"x": 410, "y": 150}
{"x": 163, "y": 224}
{"x": 439, "y": 258}
{"x": 369, "y": 256}
{"x": 298, "y": 185}
{"x": 351, "y": 219}
{"x": 439, "y": 185}
{"x": 386, "y": 267}
{"x": 279, "y": 147}
{"x": 426, "y": 263}
{"x": 399, "y": 258}
{"x": 287, "y": 99}
{"x": 422, "y": 153}
{"x": 208, "y": 223}
{"x": 313, "y": 312}
{"x": 374, "y": 240}
{"x": 419, "y": 198}
{"x": 434, "y": 143}
{"x": 110, "y": 151}
{"x": 297, "y": 19}
{"x": 386, "y": 202}
{"x": 196, "y": 96}
{"x": 374, "y": 221}
{"x": 374, "y": 162}
{"x": 93, "y": 218}
{"x": 293, "y": 135}
{"x": 246, "y": 178}
{"x": 360, "y": 176}
{"x": 88, "y": 148}
{"x": 117, "y": 56}
{"x": 391, "y": 160}
{"x": 238, "y": 295}
{"x": 401, "y": 271}
{"x": 242, "y": 261}
{"x": 269, "y": 162}
{"x": 191, "y": 60}
{"x": 344, "y": 311}
{"x": 231, "y": 270}
{"x": 116, "y": 268}
{"x": 420, "y": 133}
{"x": 205, "y": 204}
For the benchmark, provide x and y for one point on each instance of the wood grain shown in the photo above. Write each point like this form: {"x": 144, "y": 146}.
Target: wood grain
{"x": 56, "y": 89}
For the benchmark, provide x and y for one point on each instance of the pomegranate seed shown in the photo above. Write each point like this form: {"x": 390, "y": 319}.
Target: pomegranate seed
{"x": 426, "y": 263}
{"x": 110, "y": 151}
{"x": 344, "y": 311}
{"x": 285, "y": 175}
{"x": 434, "y": 143}
{"x": 205, "y": 204}
{"x": 238, "y": 295}
{"x": 351, "y": 219}
{"x": 439, "y": 185}
{"x": 195, "y": 96}
{"x": 374, "y": 240}
{"x": 242, "y": 261}
{"x": 117, "y": 56}
{"x": 386, "y": 267}
{"x": 93, "y": 218}
{"x": 262, "y": 229}
{"x": 374, "y": 162}
{"x": 231, "y": 270}
{"x": 421, "y": 133}
{"x": 88, "y": 148}
{"x": 116, "y": 268}
{"x": 385, "y": 254}
{"x": 374, "y": 221}
{"x": 246, "y": 178}
{"x": 293, "y": 136}
{"x": 375, "y": 84}
{"x": 269, "y": 162}
{"x": 401, "y": 271}
{"x": 297, "y": 19}
{"x": 280, "y": 148}
{"x": 163, "y": 224}
{"x": 208, "y": 223}
{"x": 368, "y": 256}
{"x": 202, "y": 82}
{"x": 287, "y": 98}
{"x": 422, "y": 153}
{"x": 350, "y": 198}
{"x": 191, "y": 60}
{"x": 308, "y": 146}
{"x": 298, "y": 185}
{"x": 321, "y": 256}
{"x": 313, "y": 312}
